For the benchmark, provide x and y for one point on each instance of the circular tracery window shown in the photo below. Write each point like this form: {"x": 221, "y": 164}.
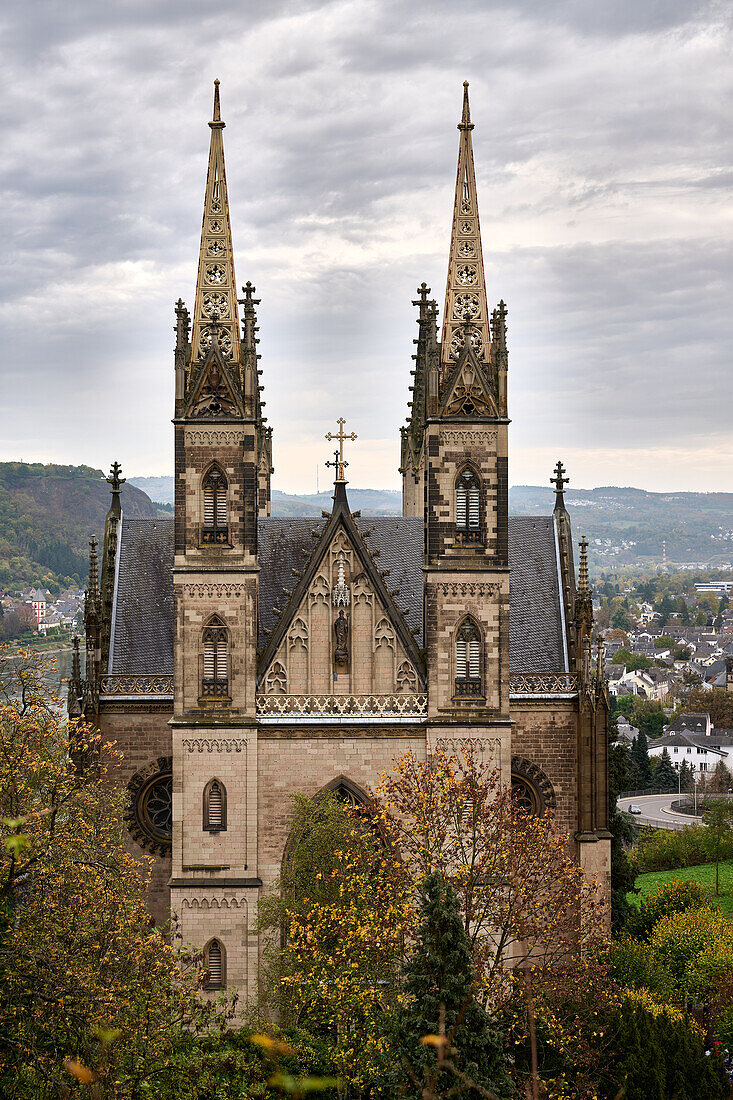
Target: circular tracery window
{"x": 149, "y": 815}
{"x": 532, "y": 791}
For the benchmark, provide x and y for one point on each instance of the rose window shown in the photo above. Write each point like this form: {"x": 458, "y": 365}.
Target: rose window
{"x": 467, "y": 275}
{"x": 466, "y": 306}
{"x": 215, "y": 274}
{"x": 465, "y": 249}
{"x": 216, "y": 303}
{"x": 149, "y": 815}
{"x": 223, "y": 339}
{"x": 216, "y": 248}
{"x": 215, "y": 227}
{"x": 457, "y": 341}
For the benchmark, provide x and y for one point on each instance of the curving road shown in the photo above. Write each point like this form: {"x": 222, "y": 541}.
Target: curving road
{"x": 655, "y": 810}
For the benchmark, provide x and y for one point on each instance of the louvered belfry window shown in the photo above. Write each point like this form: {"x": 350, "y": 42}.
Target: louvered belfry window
{"x": 214, "y": 965}
{"x": 468, "y": 660}
{"x": 215, "y": 806}
{"x": 468, "y": 507}
{"x": 216, "y": 661}
{"x": 216, "y": 523}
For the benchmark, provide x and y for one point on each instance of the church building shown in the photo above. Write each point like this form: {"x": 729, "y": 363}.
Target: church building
{"x": 237, "y": 658}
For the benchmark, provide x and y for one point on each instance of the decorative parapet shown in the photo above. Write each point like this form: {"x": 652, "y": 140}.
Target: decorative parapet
{"x": 342, "y": 708}
{"x": 549, "y": 684}
{"x": 135, "y": 687}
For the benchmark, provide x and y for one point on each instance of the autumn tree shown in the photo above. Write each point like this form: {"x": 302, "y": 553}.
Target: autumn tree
{"x": 345, "y": 910}
{"x": 521, "y": 893}
{"x": 89, "y": 988}
{"x": 718, "y": 816}
{"x": 718, "y": 703}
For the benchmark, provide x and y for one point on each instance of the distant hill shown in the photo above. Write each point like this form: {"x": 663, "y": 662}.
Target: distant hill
{"x": 629, "y": 525}
{"x": 372, "y": 502}
{"x": 47, "y": 514}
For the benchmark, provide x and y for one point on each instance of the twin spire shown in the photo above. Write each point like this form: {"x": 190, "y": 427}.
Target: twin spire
{"x": 465, "y": 316}
{"x": 215, "y": 308}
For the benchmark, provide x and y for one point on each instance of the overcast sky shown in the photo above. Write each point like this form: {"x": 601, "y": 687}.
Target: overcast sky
{"x": 603, "y": 157}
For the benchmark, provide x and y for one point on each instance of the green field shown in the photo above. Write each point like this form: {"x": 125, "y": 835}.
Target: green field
{"x": 704, "y": 873}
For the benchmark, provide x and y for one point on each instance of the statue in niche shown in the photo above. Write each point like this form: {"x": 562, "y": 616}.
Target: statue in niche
{"x": 341, "y": 630}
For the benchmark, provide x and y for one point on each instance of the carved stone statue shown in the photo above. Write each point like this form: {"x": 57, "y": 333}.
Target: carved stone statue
{"x": 341, "y": 630}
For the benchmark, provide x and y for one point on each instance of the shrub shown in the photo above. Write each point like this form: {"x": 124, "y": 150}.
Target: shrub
{"x": 662, "y": 850}
{"x": 663, "y": 1054}
{"x": 696, "y": 946}
{"x": 672, "y": 897}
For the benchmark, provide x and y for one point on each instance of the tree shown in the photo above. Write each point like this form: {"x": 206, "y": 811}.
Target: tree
{"x": 345, "y": 906}
{"x": 721, "y": 781}
{"x": 648, "y": 717}
{"x": 664, "y": 776}
{"x": 718, "y": 816}
{"x": 631, "y": 661}
{"x": 21, "y": 620}
{"x": 621, "y": 619}
{"x": 87, "y": 983}
{"x": 438, "y": 998}
{"x": 718, "y": 703}
{"x": 641, "y": 765}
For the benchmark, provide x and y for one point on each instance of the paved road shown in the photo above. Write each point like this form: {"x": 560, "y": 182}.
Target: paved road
{"x": 655, "y": 810}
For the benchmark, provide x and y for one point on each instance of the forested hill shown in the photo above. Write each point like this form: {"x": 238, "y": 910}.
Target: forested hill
{"x": 47, "y": 514}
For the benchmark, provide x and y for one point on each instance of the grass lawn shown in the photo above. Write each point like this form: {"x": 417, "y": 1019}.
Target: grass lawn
{"x": 704, "y": 873}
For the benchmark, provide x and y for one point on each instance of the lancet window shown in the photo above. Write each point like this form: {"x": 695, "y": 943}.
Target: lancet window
{"x": 215, "y": 965}
{"x": 468, "y": 506}
{"x": 215, "y": 683}
{"x": 468, "y": 659}
{"x": 216, "y": 520}
{"x": 215, "y": 806}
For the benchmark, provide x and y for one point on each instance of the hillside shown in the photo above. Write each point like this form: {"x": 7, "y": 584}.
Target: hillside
{"x": 47, "y": 514}
{"x": 628, "y": 526}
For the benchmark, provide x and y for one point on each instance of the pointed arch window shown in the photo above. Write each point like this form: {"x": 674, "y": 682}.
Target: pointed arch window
{"x": 468, "y": 660}
{"x": 215, "y": 682}
{"x": 216, "y": 519}
{"x": 215, "y": 965}
{"x": 215, "y": 806}
{"x": 468, "y": 506}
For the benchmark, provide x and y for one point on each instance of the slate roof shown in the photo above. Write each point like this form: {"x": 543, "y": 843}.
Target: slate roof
{"x": 142, "y": 642}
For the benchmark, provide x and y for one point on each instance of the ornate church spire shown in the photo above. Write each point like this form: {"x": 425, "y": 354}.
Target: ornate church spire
{"x": 465, "y": 295}
{"x": 215, "y": 308}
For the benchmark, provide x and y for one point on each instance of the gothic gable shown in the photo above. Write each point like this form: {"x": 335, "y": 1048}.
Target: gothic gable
{"x": 340, "y": 630}
{"x": 468, "y": 391}
{"x": 212, "y": 393}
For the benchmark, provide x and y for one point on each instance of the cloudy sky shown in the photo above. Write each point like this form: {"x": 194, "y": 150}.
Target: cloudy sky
{"x": 603, "y": 156}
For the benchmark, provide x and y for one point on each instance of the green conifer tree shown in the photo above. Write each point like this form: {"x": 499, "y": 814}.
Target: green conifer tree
{"x": 640, "y": 761}
{"x": 665, "y": 777}
{"x": 440, "y": 972}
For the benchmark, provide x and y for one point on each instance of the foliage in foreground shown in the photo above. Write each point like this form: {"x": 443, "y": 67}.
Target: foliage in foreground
{"x": 90, "y": 990}
{"x": 439, "y": 1012}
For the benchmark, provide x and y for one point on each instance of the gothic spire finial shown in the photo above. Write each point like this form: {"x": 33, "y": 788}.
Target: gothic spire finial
{"x": 217, "y": 110}
{"x": 466, "y": 309}
{"x": 216, "y": 283}
{"x": 116, "y": 482}
{"x": 559, "y": 481}
{"x": 465, "y": 123}
{"x": 583, "y": 586}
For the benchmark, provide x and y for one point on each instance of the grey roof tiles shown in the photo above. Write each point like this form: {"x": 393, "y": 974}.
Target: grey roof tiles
{"x": 142, "y": 641}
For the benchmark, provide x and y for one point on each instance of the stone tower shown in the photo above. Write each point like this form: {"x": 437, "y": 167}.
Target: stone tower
{"x": 222, "y": 470}
{"x": 455, "y": 475}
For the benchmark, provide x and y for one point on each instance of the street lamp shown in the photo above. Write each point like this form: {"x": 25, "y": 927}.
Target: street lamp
{"x": 695, "y": 777}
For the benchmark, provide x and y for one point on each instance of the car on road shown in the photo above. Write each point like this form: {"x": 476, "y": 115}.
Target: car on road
{"x": 634, "y": 809}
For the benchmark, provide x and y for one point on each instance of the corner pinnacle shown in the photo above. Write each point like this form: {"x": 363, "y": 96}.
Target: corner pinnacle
{"x": 216, "y": 119}
{"x": 465, "y": 123}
